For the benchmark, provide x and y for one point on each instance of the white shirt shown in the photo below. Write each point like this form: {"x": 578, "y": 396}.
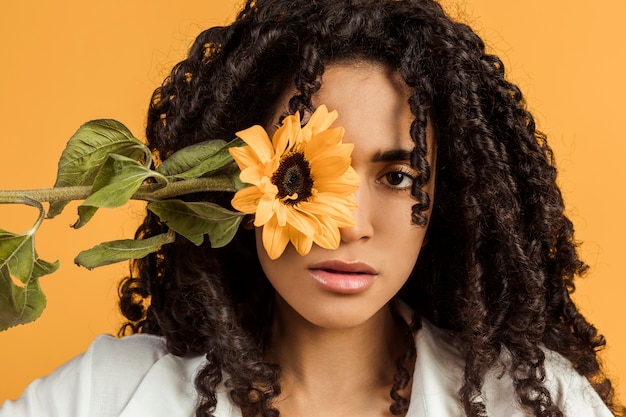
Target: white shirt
{"x": 135, "y": 376}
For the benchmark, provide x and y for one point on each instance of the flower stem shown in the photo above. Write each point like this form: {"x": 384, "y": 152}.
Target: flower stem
{"x": 147, "y": 192}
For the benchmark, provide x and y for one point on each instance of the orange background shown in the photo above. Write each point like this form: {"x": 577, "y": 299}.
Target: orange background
{"x": 69, "y": 61}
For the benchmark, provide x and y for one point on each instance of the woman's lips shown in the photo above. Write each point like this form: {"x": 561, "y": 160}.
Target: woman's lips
{"x": 343, "y": 277}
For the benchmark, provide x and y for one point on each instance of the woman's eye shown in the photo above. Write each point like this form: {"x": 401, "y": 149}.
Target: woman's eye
{"x": 397, "y": 180}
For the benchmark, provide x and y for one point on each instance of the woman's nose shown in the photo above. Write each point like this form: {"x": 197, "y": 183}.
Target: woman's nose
{"x": 363, "y": 216}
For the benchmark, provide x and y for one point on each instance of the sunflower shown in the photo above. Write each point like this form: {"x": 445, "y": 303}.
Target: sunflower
{"x": 302, "y": 184}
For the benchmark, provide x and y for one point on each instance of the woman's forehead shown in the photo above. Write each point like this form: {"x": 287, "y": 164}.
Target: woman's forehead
{"x": 372, "y": 105}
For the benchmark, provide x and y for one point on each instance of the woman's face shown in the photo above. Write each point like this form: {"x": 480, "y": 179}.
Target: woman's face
{"x": 345, "y": 287}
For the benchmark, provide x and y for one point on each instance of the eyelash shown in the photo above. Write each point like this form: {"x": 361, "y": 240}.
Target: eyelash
{"x": 407, "y": 173}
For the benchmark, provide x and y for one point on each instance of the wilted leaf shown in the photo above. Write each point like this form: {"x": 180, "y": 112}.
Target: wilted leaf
{"x": 117, "y": 181}
{"x": 121, "y": 250}
{"x": 88, "y": 149}
{"x": 197, "y": 160}
{"x": 195, "y": 219}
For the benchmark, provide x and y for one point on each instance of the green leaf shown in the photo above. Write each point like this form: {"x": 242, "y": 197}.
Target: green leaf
{"x": 19, "y": 305}
{"x": 17, "y": 251}
{"x": 117, "y": 181}
{"x": 195, "y": 219}
{"x": 88, "y": 149}
{"x": 23, "y": 303}
{"x": 41, "y": 268}
{"x": 189, "y": 157}
{"x": 121, "y": 250}
{"x": 17, "y": 254}
{"x": 199, "y": 160}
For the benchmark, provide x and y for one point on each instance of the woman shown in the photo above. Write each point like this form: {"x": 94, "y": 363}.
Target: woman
{"x": 449, "y": 295}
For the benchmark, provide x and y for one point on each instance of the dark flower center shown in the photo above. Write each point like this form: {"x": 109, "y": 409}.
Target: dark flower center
{"x": 293, "y": 176}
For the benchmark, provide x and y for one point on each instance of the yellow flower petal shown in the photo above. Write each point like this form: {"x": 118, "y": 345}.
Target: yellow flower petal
{"x": 275, "y": 239}
{"x": 266, "y": 187}
{"x": 252, "y": 174}
{"x": 333, "y": 166}
{"x": 301, "y": 242}
{"x": 340, "y": 209}
{"x": 301, "y": 221}
{"x": 244, "y": 156}
{"x": 323, "y": 141}
{"x": 271, "y": 166}
{"x": 328, "y": 236}
{"x": 287, "y": 135}
{"x": 246, "y": 200}
{"x": 256, "y": 137}
{"x": 333, "y": 185}
{"x": 320, "y": 120}
{"x": 281, "y": 212}
{"x": 341, "y": 151}
{"x": 265, "y": 210}
{"x": 345, "y": 185}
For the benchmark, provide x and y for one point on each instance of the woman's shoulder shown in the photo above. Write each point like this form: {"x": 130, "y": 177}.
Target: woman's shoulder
{"x": 142, "y": 350}
{"x": 571, "y": 392}
{"x": 147, "y": 379}
{"x": 115, "y": 377}
{"x": 161, "y": 384}
{"x": 118, "y": 365}
{"x": 570, "y": 389}
{"x": 439, "y": 373}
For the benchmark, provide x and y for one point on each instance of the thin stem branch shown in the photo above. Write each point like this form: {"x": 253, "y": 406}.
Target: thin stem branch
{"x": 147, "y": 192}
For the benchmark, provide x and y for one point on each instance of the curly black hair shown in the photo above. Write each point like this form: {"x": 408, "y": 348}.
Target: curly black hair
{"x": 501, "y": 258}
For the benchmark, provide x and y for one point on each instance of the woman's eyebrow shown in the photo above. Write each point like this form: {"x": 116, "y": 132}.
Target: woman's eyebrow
{"x": 392, "y": 155}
